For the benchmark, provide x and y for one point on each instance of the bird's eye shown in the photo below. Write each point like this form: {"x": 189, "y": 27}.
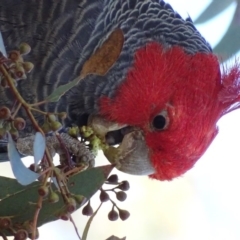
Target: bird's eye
{"x": 160, "y": 121}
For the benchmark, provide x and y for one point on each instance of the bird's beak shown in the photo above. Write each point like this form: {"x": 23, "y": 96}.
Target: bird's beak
{"x": 132, "y": 154}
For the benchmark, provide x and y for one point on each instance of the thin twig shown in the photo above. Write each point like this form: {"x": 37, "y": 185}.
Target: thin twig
{"x": 75, "y": 227}
{"x": 16, "y": 110}
{"x": 39, "y": 111}
{"x": 36, "y": 214}
{"x": 65, "y": 150}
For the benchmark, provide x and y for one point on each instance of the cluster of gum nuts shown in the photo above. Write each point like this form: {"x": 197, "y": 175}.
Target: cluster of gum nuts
{"x": 119, "y": 191}
{"x": 15, "y": 65}
{"x": 10, "y": 124}
{"x": 72, "y": 202}
{"x": 20, "y": 232}
{"x": 52, "y": 123}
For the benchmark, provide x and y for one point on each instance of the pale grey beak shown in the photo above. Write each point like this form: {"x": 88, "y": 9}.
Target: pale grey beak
{"x": 132, "y": 154}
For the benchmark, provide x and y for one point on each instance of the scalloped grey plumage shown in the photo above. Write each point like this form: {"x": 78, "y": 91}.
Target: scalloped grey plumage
{"x": 64, "y": 33}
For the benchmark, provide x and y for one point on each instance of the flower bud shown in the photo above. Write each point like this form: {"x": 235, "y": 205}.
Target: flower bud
{"x": 113, "y": 178}
{"x": 104, "y": 197}
{"x": 46, "y": 128}
{"x": 28, "y": 66}
{"x": 123, "y": 214}
{"x": 121, "y": 196}
{"x": 79, "y": 198}
{"x": 73, "y": 131}
{"x": 87, "y": 210}
{"x": 53, "y": 197}
{"x": 124, "y": 185}
{"x": 55, "y": 126}
{"x": 113, "y": 215}
{"x": 86, "y": 131}
{"x": 51, "y": 117}
{"x": 24, "y": 48}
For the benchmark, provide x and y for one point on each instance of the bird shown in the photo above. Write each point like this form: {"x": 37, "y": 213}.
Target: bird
{"x": 166, "y": 90}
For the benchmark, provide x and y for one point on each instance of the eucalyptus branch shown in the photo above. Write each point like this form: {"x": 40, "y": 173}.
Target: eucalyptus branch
{"x": 35, "y": 219}
{"x": 25, "y": 105}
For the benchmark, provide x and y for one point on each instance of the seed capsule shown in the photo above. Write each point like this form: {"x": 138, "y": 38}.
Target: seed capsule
{"x": 14, "y": 55}
{"x": 123, "y": 214}
{"x": 53, "y": 197}
{"x": 87, "y": 210}
{"x": 65, "y": 217}
{"x": 124, "y": 186}
{"x": 55, "y": 126}
{"x": 19, "y": 123}
{"x": 121, "y": 196}
{"x": 24, "y": 48}
{"x": 51, "y": 117}
{"x": 28, "y": 66}
{"x": 113, "y": 215}
{"x": 71, "y": 205}
{"x": 104, "y": 197}
{"x": 113, "y": 178}
{"x": 79, "y": 198}
{"x": 21, "y": 234}
{"x": 5, "y": 113}
{"x": 43, "y": 191}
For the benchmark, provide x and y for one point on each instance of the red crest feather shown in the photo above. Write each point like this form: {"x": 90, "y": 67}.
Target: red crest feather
{"x": 193, "y": 92}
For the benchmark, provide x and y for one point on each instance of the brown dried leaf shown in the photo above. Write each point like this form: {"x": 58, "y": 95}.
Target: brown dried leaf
{"x": 105, "y": 56}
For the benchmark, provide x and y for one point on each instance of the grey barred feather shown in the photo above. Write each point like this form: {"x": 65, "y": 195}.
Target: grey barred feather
{"x": 64, "y": 33}
{"x": 142, "y": 22}
{"x": 57, "y": 31}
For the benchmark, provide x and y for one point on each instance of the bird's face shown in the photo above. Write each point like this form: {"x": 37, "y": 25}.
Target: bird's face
{"x": 186, "y": 135}
{"x": 169, "y": 97}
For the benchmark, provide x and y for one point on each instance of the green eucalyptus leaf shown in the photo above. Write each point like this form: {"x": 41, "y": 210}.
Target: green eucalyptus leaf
{"x": 61, "y": 90}
{"x": 23, "y": 175}
{"x": 39, "y": 146}
{"x": 20, "y": 206}
{"x": 9, "y": 186}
